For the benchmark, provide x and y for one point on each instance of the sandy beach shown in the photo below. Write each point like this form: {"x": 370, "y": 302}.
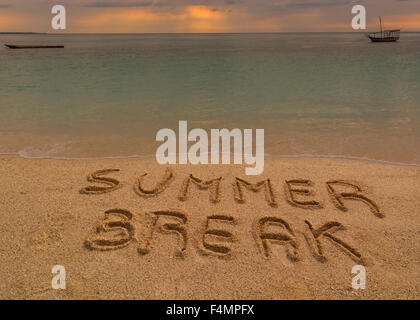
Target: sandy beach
{"x": 208, "y": 232}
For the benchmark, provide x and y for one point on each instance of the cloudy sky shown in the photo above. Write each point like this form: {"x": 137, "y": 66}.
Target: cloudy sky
{"x": 143, "y": 16}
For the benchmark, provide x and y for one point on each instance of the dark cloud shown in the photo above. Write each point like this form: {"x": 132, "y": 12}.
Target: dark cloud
{"x": 113, "y": 4}
{"x": 5, "y": 6}
{"x": 167, "y": 3}
{"x": 317, "y": 4}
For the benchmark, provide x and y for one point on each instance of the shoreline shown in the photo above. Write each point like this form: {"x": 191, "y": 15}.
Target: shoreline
{"x": 267, "y": 156}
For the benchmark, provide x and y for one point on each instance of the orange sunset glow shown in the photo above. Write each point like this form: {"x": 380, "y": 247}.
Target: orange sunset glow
{"x": 185, "y": 16}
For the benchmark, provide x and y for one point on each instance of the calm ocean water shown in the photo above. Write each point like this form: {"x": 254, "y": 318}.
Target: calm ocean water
{"x": 314, "y": 94}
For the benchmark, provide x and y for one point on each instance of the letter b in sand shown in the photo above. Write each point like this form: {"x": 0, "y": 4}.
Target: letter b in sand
{"x": 59, "y": 280}
{"x": 359, "y": 280}
{"x": 359, "y": 20}
{"x": 59, "y": 21}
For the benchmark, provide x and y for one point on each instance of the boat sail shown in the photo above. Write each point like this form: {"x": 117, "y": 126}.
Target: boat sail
{"x": 385, "y": 35}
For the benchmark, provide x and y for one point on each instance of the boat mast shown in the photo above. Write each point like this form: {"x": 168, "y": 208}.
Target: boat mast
{"x": 380, "y": 22}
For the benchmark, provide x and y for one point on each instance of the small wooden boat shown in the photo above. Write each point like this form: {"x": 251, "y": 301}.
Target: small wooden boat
{"x": 385, "y": 35}
{"x": 12, "y": 46}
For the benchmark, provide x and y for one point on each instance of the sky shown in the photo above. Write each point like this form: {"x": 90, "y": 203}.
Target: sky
{"x": 205, "y": 16}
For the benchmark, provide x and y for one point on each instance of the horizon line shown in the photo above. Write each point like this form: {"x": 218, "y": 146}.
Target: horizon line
{"x": 250, "y": 32}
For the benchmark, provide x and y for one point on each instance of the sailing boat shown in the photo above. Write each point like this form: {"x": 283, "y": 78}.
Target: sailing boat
{"x": 385, "y": 35}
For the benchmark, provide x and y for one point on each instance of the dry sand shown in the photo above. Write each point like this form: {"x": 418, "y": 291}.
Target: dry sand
{"x": 256, "y": 244}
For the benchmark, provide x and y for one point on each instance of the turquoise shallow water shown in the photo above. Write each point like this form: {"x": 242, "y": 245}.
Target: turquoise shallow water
{"x": 314, "y": 94}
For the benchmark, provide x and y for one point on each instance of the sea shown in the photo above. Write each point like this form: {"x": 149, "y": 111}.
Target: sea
{"x": 314, "y": 94}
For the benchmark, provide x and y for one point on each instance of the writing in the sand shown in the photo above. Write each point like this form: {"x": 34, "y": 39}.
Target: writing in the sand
{"x": 119, "y": 227}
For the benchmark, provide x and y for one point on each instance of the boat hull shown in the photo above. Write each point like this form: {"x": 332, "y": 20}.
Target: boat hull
{"x": 390, "y": 39}
{"x": 11, "y": 46}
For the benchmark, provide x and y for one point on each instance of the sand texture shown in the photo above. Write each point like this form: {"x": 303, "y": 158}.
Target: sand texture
{"x": 130, "y": 229}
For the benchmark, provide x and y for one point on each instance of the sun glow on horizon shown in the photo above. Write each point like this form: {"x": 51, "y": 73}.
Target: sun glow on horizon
{"x": 201, "y": 16}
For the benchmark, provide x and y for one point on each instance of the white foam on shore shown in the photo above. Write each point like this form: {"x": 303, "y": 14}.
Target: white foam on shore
{"x": 24, "y": 154}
